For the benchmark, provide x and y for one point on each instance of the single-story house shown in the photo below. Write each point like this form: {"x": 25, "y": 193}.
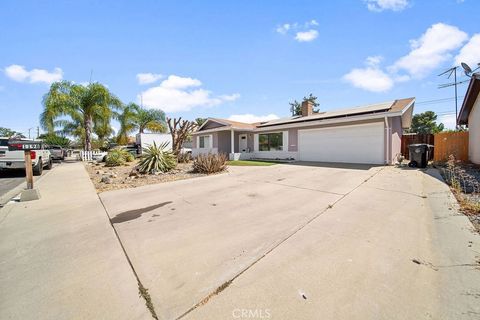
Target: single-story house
{"x": 469, "y": 115}
{"x": 367, "y": 134}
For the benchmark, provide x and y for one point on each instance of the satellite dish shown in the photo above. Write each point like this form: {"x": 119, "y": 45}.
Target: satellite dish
{"x": 466, "y": 68}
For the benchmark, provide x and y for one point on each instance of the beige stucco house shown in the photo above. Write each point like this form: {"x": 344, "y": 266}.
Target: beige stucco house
{"x": 366, "y": 134}
{"x": 469, "y": 115}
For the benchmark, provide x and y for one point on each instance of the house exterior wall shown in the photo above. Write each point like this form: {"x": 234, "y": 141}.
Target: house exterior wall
{"x": 474, "y": 133}
{"x": 224, "y": 141}
{"x": 396, "y": 133}
{"x": 221, "y": 140}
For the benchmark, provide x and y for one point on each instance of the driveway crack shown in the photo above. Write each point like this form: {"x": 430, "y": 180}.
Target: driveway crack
{"x": 142, "y": 291}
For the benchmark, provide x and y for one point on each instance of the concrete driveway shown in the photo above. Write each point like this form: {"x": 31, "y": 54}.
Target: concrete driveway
{"x": 301, "y": 242}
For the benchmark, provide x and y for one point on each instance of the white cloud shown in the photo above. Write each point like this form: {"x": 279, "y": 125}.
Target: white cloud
{"x": 283, "y": 29}
{"x": 230, "y": 97}
{"x": 306, "y": 36}
{"x": 370, "y": 78}
{"x": 303, "y": 32}
{"x": 21, "y": 74}
{"x": 250, "y": 118}
{"x": 380, "y": 5}
{"x": 429, "y": 51}
{"x": 176, "y": 94}
{"x": 146, "y": 78}
{"x": 470, "y": 53}
{"x": 176, "y": 82}
{"x": 448, "y": 120}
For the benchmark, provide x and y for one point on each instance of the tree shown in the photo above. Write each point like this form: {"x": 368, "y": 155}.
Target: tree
{"x": 296, "y": 107}
{"x": 150, "y": 119}
{"x": 135, "y": 117}
{"x": 6, "y": 132}
{"x": 54, "y": 139}
{"x": 200, "y": 121}
{"x": 180, "y": 130}
{"x": 90, "y": 106}
{"x": 426, "y": 123}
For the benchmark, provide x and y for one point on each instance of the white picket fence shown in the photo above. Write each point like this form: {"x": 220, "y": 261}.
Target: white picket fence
{"x": 88, "y": 155}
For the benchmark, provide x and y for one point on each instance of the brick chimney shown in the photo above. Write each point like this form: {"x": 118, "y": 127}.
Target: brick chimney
{"x": 307, "y": 108}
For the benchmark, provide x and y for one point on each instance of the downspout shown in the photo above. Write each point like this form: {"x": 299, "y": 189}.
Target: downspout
{"x": 387, "y": 147}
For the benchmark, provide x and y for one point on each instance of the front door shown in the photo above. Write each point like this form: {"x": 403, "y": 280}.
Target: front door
{"x": 242, "y": 143}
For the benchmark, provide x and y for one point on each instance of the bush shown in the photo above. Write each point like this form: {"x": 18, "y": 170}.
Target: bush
{"x": 210, "y": 163}
{"x": 184, "y": 157}
{"x": 118, "y": 157}
{"x": 157, "y": 159}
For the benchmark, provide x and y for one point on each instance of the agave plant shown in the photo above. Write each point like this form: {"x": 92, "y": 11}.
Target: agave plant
{"x": 157, "y": 159}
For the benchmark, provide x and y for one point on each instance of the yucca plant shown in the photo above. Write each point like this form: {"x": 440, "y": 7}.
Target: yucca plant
{"x": 210, "y": 163}
{"x": 157, "y": 159}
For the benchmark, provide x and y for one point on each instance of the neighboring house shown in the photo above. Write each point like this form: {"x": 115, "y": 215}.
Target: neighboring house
{"x": 470, "y": 116}
{"x": 367, "y": 134}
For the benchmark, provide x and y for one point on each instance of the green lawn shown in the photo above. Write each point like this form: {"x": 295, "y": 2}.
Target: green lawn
{"x": 245, "y": 163}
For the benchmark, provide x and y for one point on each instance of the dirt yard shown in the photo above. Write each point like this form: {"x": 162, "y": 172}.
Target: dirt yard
{"x": 122, "y": 177}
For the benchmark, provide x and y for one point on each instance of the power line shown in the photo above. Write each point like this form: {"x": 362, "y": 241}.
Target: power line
{"x": 438, "y": 100}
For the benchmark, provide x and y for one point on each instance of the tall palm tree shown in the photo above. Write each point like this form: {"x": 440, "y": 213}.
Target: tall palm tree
{"x": 134, "y": 117}
{"x": 126, "y": 118}
{"x": 90, "y": 105}
{"x": 150, "y": 119}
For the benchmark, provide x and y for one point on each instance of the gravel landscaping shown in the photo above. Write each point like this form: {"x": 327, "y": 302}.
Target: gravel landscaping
{"x": 122, "y": 177}
{"x": 464, "y": 179}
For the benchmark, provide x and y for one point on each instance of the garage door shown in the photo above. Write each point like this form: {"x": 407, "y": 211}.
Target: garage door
{"x": 351, "y": 144}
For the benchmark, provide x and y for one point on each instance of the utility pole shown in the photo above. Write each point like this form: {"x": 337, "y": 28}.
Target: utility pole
{"x": 38, "y": 132}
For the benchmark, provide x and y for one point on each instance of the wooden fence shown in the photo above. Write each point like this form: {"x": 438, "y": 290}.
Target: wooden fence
{"x": 447, "y": 143}
{"x": 412, "y": 138}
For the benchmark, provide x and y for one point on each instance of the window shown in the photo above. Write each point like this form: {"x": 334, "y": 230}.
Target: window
{"x": 270, "y": 141}
{"x": 204, "y": 142}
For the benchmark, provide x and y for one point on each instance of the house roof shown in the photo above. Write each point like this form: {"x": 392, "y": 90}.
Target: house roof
{"x": 470, "y": 97}
{"x": 235, "y": 124}
{"x": 389, "y": 108}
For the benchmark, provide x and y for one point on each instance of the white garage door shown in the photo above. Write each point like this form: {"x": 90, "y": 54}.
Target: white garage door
{"x": 352, "y": 144}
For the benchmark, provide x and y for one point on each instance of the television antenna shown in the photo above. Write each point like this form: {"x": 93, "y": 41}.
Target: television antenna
{"x": 455, "y": 83}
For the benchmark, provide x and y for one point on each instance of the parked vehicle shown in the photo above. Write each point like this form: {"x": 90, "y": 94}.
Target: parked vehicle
{"x": 3, "y": 146}
{"x": 9, "y": 160}
{"x": 57, "y": 152}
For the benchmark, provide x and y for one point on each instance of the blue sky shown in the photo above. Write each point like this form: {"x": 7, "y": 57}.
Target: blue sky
{"x": 245, "y": 59}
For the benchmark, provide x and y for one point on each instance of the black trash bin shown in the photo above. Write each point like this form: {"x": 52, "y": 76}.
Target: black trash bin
{"x": 419, "y": 155}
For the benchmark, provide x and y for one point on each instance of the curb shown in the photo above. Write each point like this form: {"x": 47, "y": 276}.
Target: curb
{"x": 4, "y": 199}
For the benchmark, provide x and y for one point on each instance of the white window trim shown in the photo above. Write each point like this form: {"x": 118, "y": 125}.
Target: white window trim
{"x": 210, "y": 143}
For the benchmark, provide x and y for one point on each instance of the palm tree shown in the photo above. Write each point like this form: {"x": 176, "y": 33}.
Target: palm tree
{"x": 90, "y": 106}
{"x": 127, "y": 122}
{"x": 134, "y": 117}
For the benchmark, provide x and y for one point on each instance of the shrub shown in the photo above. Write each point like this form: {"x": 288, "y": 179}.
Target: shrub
{"x": 184, "y": 157}
{"x": 118, "y": 157}
{"x": 157, "y": 159}
{"x": 210, "y": 163}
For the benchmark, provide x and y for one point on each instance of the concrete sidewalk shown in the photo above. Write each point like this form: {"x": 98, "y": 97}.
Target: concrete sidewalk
{"x": 60, "y": 258}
